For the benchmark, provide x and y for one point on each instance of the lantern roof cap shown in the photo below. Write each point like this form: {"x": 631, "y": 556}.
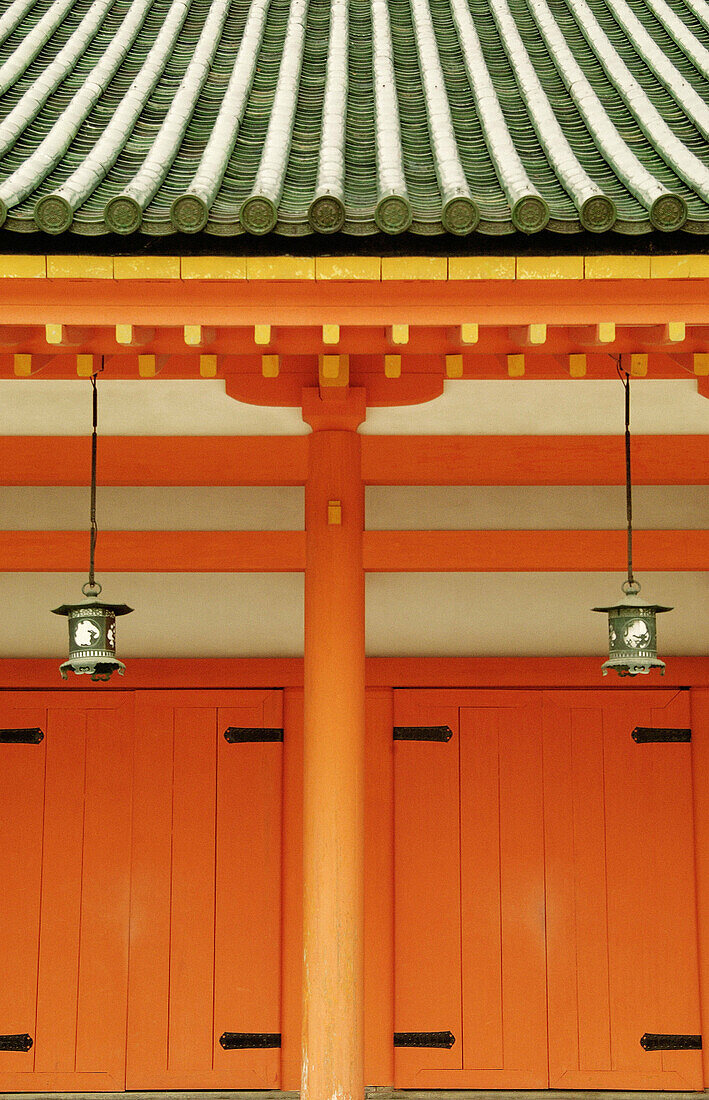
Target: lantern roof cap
{"x": 632, "y": 600}
{"x": 88, "y": 605}
{"x": 354, "y": 117}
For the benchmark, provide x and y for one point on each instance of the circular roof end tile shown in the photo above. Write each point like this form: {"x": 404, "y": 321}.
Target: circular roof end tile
{"x": 326, "y": 214}
{"x": 123, "y": 215}
{"x": 53, "y": 214}
{"x": 393, "y": 214}
{"x": 460, "y": 215}
{"x": 189, "y": 214}
{"x": 668, "y": 213}
{"x": 258, "y": 215}
{"x": 530, "y": 214}
{"x": 598, "y": 214}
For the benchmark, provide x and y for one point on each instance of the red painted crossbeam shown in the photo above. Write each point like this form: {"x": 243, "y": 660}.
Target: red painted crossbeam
{"x": 384, "y": 551}
{"x": 386, "y": 460}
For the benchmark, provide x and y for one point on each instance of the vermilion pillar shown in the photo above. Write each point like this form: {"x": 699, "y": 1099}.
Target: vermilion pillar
{"x": 333, "y": 812}
{"x": 700, "y": 775}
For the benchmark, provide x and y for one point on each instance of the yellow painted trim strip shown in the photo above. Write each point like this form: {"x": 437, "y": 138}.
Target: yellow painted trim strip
{"x": 356, "y": 268}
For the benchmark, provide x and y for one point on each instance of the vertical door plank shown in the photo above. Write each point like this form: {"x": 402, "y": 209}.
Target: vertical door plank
{"x": 105, "y": 900}
{"x": 427, "y": 910}
{"x": 562, "y": 975}
{"x": 292, "y": 887}
{"x": 379, "y": 891}
{"x": 480, "y": 888}
{"x": 21, "y": 828}
{"x": 678, "y": 1001}
{"x": 522, "y": 891}
{"x": 589, "y": 825}
{"x": 61, "y": 891}
{"x": 149, "y": 974}
{"x": 191, "y": 1024}
{"x": 248, "y": 887}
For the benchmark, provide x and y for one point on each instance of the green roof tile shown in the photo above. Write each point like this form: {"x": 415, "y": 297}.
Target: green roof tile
{"x": 232, "y": 117}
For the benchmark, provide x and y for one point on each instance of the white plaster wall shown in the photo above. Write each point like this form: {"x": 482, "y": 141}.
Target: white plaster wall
{"x": 414, "y": 614}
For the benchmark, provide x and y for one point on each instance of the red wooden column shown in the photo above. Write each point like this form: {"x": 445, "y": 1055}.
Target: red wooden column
{"x": 333, "y": 765}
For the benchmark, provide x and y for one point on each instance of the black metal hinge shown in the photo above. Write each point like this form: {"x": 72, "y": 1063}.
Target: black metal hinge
{"x": 16, "y": 1042}
{"x": 240, "y": 735}
{"x": 422, "y": 733}
{"x": 248, "y": 1040}
{"x": 671, "y": 1042}
{"x": 442, "y": 1039}
{"x": 22, "y": 737}
{"x": 649, "y": 735}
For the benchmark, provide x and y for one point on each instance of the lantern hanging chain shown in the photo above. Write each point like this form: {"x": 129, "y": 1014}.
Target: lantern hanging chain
{"x": 94, "y": 527}
{"x": 632, "y": 584}
{"x": 92, "y": 588}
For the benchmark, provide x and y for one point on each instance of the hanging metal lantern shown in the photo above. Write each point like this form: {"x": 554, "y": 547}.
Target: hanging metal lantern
{"x": 92, "y": 623}
{"x": 632, "y": 629}
{"x": 632, "y": 634}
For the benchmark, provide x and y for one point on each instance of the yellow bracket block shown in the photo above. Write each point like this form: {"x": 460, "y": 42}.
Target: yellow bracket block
{"x": 454, "y": 366}
{"x": 86, "y": 365}
{"x": 262, "y": 335}
{"x": 334, "y": 370}
{"x": 392, "y": 366}
{"x": 676, "y": 332}
{"x": 398, "y": 334}
{"x": 270, "y": 366}
{"x": 54, "y": 334}
{"x": 469, "y": 334}
{"x": 334, "y": 513}
{"x": 515, "y": 366}
{"x": 605, "y": 332}
{"x": 22, "y": 365}
{"x": 638, "y": 365}
{"x": 577, "y": 366}
{"x": 331, "y": 334}
{"x": 208, "y": 366}
{"x": 147, "y": 366}
{"x": 701, "y": 364}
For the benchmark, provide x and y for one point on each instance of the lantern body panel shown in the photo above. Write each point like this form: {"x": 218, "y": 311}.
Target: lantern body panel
{"x": 92, "y": 639}
{"x": 632, "y": 637}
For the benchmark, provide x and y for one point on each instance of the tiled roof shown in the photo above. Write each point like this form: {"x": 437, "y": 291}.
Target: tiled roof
{"x": 294, "y": 116}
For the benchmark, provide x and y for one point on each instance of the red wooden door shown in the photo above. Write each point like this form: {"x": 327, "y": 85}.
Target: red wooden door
{"x": 622, "y": 942}
{"x": 470, "y": 937}
{"x": 205, "y": 913}
{"x": 64, "y": 887}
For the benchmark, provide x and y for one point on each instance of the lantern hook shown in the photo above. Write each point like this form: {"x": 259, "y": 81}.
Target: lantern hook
{"x": 630, "y": 586}
{"x": 92, "y": 587}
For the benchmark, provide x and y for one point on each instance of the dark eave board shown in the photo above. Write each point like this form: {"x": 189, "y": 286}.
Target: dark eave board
{"x": 228, "y": 117}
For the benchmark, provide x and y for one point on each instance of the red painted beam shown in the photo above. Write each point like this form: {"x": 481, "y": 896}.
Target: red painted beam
{"x": 384, "y": 551}
{"x": 154, "y": 551}
{"x": 533, "y": 460}
{"x": 386, "y": 460}
{"x": 381, "y": 672}
{"x": 155, "y": 460}
{"x": 533, "y": 551}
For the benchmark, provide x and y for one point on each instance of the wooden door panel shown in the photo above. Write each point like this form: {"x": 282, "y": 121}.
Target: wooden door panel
{"x": 73, "y": 963}
{"x": 620, "y": 892}
{"x": 427, "y": 907}
{"x": 205, "y": 925}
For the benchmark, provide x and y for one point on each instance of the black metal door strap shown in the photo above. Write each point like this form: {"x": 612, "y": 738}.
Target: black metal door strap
{"x": 248, "y": 1040}
{"x": 422, "y": 733}
{"x": 648, "y": 735}
{"x": 16, "y": 1042}
{"x": 22, "y": 737}
{"x": 442, "y": 1039}
{"x": 240, "y": 735}
{"x": 671, "y": 1042}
